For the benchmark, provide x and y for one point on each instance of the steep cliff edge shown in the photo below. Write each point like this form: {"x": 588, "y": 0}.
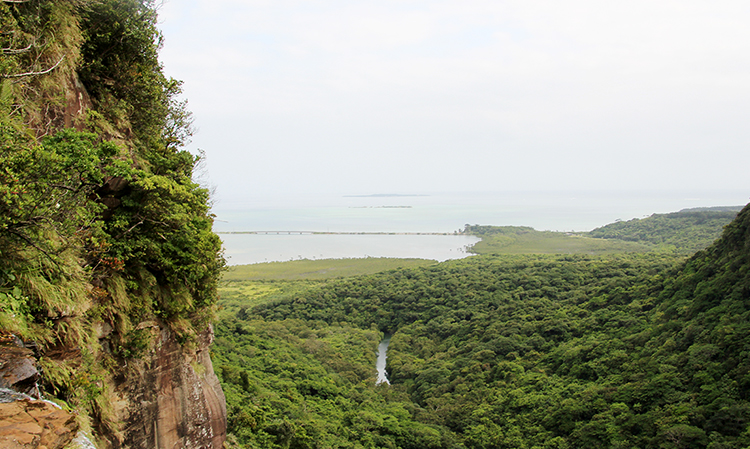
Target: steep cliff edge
{"x": 109, "y": 263}
{"x": 176, "y": 401}
{"x": 168, "y": 398}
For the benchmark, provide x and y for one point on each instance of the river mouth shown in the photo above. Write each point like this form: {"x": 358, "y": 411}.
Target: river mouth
{"x": 381, "y": 361}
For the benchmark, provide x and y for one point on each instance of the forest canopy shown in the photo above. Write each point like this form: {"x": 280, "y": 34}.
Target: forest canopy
{"x": 519, "y": 351}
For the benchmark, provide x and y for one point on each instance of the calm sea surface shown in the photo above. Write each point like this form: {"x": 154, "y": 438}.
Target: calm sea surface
{"x": 287, "y": 224}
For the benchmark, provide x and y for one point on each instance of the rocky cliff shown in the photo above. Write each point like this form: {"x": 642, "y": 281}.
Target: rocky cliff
{"x": 175, "y": 400}
{"x": 109, "y": 263}
{"x": 167, "y": 399}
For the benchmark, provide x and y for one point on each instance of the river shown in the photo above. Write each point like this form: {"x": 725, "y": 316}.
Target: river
{"x": 381, "y": 362}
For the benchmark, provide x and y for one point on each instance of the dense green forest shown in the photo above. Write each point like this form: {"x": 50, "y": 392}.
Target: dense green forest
{"x": 636, "y": 350}
{"x": 686, "y": 231}
{"x": 101, "y": 223}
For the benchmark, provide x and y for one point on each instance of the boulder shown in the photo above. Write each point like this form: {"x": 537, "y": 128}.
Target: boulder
{"x": 17, "y": 367}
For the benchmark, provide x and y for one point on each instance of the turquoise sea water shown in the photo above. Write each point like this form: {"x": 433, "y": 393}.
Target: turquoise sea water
{"x": 290, "y": 221}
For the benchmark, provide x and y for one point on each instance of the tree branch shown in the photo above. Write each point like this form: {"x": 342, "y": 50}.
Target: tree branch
{"x": 31, "y": 221}
{"x": 15, "y": 51}
{"x": 43, "y": 72}
{"x": 131, "y": 228}
{"x": 63, "y": 187}
{"x": 28, "y": 241}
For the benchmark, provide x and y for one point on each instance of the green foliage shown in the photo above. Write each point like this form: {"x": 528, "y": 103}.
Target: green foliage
{"x": 55, "y": 196}
{"x": 526, "y": 240}
{"x": 162, "y": 231}
{"x": 638, "y": 350}
{"x": 683, "y": 232}
{"x": 309, "y": 385}
{"x": 319, "y": 269}
{"x": 122, "y": 72}
{"x": 40, "y": 41}
{"x": 686, "y": 231}
{"x": 46, "y": 217}
{"x": 101, "y": 224}
{"x": 121, "y": 67}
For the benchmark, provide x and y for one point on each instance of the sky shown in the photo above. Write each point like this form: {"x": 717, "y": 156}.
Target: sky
{"x": 364, "y": 97}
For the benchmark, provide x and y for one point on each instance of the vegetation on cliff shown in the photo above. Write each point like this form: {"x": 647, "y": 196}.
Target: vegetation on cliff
{"x": 105, "y": 241}
{"x": 102, "y": 229}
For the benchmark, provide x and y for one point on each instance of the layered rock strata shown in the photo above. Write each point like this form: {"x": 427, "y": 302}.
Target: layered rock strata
{"x": 177, "y": 401}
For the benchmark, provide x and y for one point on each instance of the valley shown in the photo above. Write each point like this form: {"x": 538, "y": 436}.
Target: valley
{"x": 521, "y": 350}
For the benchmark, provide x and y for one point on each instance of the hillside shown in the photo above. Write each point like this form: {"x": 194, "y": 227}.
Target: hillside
{"x": 109, "y": 264}
{"x": 526, "y": 240}
{"x": 683, "y": 232}
{"x": 686, "y": 231}
{"x": 519, "y": 351}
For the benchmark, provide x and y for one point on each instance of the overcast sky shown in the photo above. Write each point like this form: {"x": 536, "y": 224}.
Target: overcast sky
{"x": 412, "y": 96}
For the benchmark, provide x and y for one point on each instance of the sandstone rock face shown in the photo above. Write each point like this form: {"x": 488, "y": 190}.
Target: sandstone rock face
{"x": 168, "y": 399}
{"x": 177, "y": 401}
{"x": 35, "y": 424}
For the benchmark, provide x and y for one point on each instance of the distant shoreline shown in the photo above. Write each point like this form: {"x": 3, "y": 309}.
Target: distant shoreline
{"x": 333, "y": 233}
{"x": 383, "y": 195}
{"x": 380, "y": 207}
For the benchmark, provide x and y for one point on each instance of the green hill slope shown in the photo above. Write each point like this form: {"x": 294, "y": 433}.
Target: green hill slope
{"x": 526, "y": 240}
{"x": 683, "y": 232}
{"x": 687, "y": 231}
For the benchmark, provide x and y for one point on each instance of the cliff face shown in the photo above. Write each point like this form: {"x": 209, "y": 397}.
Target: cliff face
{"x": 170, "y": 398}
{"x": 176, "y": 400}
{"x": 109, "y": 264}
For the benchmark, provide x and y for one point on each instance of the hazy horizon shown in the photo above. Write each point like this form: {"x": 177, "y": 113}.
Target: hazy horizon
{"x": 450, "y": 211}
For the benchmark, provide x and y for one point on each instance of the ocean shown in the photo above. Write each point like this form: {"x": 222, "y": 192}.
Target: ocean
{"x": 267, "y": 229}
